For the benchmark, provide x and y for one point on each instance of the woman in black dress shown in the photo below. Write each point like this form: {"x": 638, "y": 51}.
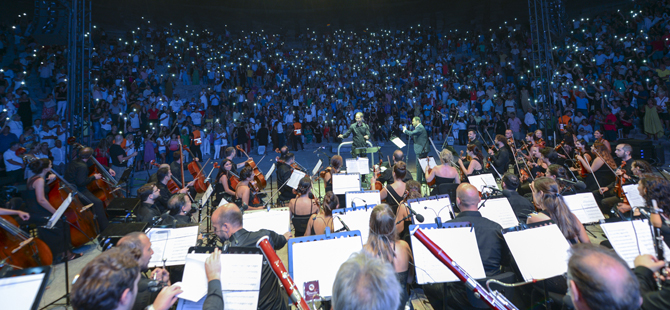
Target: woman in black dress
{"x": 394, "y": 193}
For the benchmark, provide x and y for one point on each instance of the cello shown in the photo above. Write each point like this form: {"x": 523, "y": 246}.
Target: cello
{"x": 194, "y": 167}
{"x": 105, "y": 188}
{"x": 259, "y": 178}
{"x": 19, "y": 248}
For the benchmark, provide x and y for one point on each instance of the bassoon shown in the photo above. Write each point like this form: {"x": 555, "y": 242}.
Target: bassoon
{"x": 281, "y": 273}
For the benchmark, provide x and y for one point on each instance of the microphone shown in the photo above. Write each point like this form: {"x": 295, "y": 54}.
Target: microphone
{"x": 419, "y": 217}
{"x": 643, "y": 212}
{"x": 318, "y": 148}
{"x": 343, "y": 224}
{"x": 579, "y": 184}
{"x": 353, "y": 205}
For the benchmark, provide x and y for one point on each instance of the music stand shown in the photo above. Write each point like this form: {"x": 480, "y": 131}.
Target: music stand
{"x": 50, "y": 225}
{"x": 27, "y": 281}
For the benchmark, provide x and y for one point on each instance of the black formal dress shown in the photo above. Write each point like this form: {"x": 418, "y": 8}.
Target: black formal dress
{"x": 54, "y": 238}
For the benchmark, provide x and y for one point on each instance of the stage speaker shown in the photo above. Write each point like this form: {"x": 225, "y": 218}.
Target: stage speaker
{"x": 122, "y": 207}
{"x": 115, "y": 231}
{"x": 659, "y": 154}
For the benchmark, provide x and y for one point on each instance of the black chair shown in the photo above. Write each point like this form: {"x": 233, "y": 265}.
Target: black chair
{"x": 508, "y": 292}
{"x": 448, "y": 189}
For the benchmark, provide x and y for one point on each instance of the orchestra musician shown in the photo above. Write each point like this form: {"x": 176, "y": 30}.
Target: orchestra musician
{"x": 228, "y": 226}
{"x": 361, "y": 132}
{"x": 581, "y": 148}
{"x": 40, "y": 210}
{"x": 606, "y": 196}
{"x": 393, "y": 193}
{"x": 413, "y": 192}
{"x": 476, "y": 157}
{"x": 522, "y": 207}
{"x": 324, "y": 218}
{"x": 243, "y": 194}
{"x": 600, "y": 138}
{"x": 555, "y": 171}
{"x": 164, "y": 175}
{"x": 537, "y": 139}
{"x": 284, "y": 171}
{"x": 77, "y": 173}
{"x": 473, "y": 139}
{"x": 420, "y": 144}
{"x": 509, "y": 135}
{"x": 302, "y": 207}
{"x": 444, "y": 173}
{"x": 598, "y": 170}
{"x": 502, "y": 158}
{"x": 230, "y": 153}
{"x": 327, "y": 175}
{"x": 386, "y": 177}
{"x": 148, "y": 211}
{"x": 650, "y": 187}
{"x": 180, "y": 210}
{"x": 351, "y": 289}
{"x": 224, "y": 188}
{"x": 177, "y": 166}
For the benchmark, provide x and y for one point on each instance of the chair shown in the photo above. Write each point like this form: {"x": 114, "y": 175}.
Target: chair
{"x": 261, "y": 149}
{"x": 449, "y": 189}
{"x": 508, "y": 292}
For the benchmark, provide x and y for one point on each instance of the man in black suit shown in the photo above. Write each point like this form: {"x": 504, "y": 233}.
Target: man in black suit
{"x": 420, "y": 144}
{"x": 501, "y": 159}
{"x": 361, "y": 133}
{"x": 522, "y": 207}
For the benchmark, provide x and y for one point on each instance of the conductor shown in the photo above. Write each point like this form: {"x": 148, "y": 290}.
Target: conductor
{"x": 420, "y": 144}
{"x": 361, "y": 133}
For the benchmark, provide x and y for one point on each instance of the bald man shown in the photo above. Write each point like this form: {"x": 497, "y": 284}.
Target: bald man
{"x": 492, "y": 248}
{"x": 599, "y": 279}
{"x": 227, "y": 224}
{"x": 387, "y": 175}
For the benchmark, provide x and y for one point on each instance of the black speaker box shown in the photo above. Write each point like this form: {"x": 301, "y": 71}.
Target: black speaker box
{"x": 115, "y": 231}
{"x": 121, "y": 207}
{"x": 642, "y": 149}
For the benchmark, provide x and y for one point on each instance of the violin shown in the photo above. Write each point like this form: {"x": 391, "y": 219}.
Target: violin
{"x": 428, "y": 171}
{"x": 579, "y": 166}
{"x": 378, "y": 174}
{"x": 172, "y": 184}
{"x": 259, "y": 182}
{"x": 618, "y": 188}
{"x": 19, "y": 248}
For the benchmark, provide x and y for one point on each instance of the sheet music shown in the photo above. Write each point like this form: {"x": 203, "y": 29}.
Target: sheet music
{"x": 317, "y": 167}
{"x": 277, "y": 220}
{"x": 59, "y": 212}
{"x": 320, "y": 260}
{"x": 171, "y": 244}
{"x": 428, "y": 161}
{"x": 343, "y": 183}
{"x": 206, "y": 195}
{"x": 585, "y": 207}
{"x": 223, "y": 201}
{"x": 359, "y": 165}
{"x": 294, "y": 181}
{"x": 240, "y": 280}
{"x": 431, "y": 207}
{"x": 633, "y": 195}
{"x": 483, "y": 180}
{"x": 500, "y": 211}
{"x": 459, "y": 243}
{"x": 398, "y": 142}
{"x": 362, "y": 198}
{"x": 540, "y": 252}
{"x": 272, "y": 169}
{"x": 355, "y": 220}
{"x": 18, "y": 293}
{"x": 630, "y": 239}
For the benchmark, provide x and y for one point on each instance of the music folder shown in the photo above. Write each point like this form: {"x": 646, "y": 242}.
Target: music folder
{"x": 540, "y": 251}
{"x": 22, "y": 289}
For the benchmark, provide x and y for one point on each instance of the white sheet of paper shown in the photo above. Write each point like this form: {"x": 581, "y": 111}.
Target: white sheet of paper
{"x": 428, "y": 161}
{"x": 483, "y": 180}
{"x": 547, "y": 257}
{"x": 171, "y": 244}
{"x": 294, "y": 181}
{"x": 223, "y": 202}
{"x": 206, "y": 195}
{"x": 59, "y": 212}
{"x": 242, "y": 274}
{"x": 633, "y": 196}
{"x": 269, "y": 174}
{"x": 362, "y": 198}
{"x": 500, "y": 211}
{"x": 309, "y": 259}
{"x": 343, "y": 183}
{"x": 355, "y": 220}
{"x": 359, "y": 165}
{"x": 430, "y": 208}
{"x": 585, "y": 207}
{"x": 19, "y": 292}
{"x": 622, "y": 235}
{"x": 277, "y": 220}
{"x": 459, "y": 243}
{"x": 317, "y": 167}
{"x": 398, "y": 143}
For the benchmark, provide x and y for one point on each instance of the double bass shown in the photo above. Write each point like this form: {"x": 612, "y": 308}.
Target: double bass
{"x": 19, "y": 248}
{"x": 105, "y": 188}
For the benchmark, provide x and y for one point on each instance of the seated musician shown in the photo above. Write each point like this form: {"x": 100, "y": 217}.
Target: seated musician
{"x": 140, "y": 241}
{"x": 327, "y": 175}
{"x": 652, "y": 187}
{"x": 351, "y": 289}
{"x": 302, "y": 207}
{"x": 23, "y": 215}
{"x": 537, "y": 139}
{"x": 244, "y": 196}
{"x": 522, "y": 207}
{"x": 147, "y": 211}
{"x": 599, "y": 169}
{"x": 177, "y": 166}
{"x": 642, "y": 169}
{"x": 284, "y": 171}
{"x": 180, "y": 210}
{"x": 413, "y": 192}
{"x": 386, "y": 177}
{"x": 475, "y": 158}
{"x": 384, "y": 244}
{"x": 606, "y": 196}
{"x": 223, "y": 187}
{"x": 393, "y": 193}
{"x": 77, "y": 173}
{"x": 444, "y": 173}
{"x": 154, "y": 177}
{"x": 549, "y": 200}
{"x": 318, "y": 222}
{"x": 41, "y": 210}
{"x": 229, "y": 153}
{"x": 110, "y": 281}
{"x": 581, "y": 147}
{"x": 492, "y": 248}
{"x": 164, "y": 175}
{"x": 501, "y": 159}
{"x": 555, "y": 172}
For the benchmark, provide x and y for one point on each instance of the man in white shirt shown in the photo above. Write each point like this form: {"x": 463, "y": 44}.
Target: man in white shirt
{"x": 196, "y": 117}
{"x": 59, "y": 153}
{"x": 16, "y": 125}
{"x": 48, "y": 135}
{"x": 530, "y": 121}
{"x": 13, "y": 163}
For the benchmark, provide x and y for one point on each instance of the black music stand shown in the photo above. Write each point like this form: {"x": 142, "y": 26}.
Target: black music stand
{"x": 51, "y": 225}
{"x": 46, "y": 270}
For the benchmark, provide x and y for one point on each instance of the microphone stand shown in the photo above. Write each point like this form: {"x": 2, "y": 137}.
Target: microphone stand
{"x": 273, "y": 195}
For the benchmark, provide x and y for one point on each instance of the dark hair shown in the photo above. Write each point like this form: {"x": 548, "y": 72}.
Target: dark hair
{"x": 550, "y": 154}
{"x": 146, "y": 190}
{"x": 304, "y": 185}
{"x": 656, "y": 188}
{"x": 643, "y": 165}
{"x": 336, "y": 162}
{"x": 162, "y": 173}
{"x": 176, "y": 155}
{"x": 288, "y": 156}
{"x": 330, "y": 203}
{"x": 501, "y": 139}
{"x": 556, "y": 207}
{"x": 400, "y": 170}
{"x": 104, "y": 279}
{"x": 382, "y": 232}
{"x": 38, "y": 165}
{"x": 246, "y": 173}
{"x": 175, "y": 203}
{"x": 586, "y": 267}
{"x": 511, "y": 181}
{"x": 477, "y": 151}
